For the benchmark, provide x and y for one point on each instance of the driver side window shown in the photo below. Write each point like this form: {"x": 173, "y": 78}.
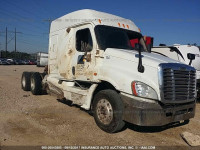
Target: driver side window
{"x": 84, "y": 40}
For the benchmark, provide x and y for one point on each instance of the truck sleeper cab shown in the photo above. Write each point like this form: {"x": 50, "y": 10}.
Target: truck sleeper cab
{"x": 92, "y": 63}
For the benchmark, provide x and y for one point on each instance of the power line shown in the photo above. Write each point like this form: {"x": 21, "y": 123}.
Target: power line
{"x": 14, "y": 15}
{"x": 35, "y": 41}
{"x": 38, "y": 47}
{"x": 21, "y": 18}
{"x": 10, "y": 39}
{"x": 27, "y": 34}
{"x": 49, "y": 20}
{"x": 38, "y": 5}
{"x": 18, "y": 17}
{"x": 22, "y": 8}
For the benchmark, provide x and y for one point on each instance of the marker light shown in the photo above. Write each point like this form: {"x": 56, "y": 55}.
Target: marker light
{"x": 119, "y": 24}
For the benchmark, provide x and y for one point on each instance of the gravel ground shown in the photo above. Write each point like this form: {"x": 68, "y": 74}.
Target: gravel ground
{"x": 42, "y": 120}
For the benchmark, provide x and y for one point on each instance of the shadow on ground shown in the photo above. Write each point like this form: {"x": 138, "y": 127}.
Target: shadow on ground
{"x": 136, "y": 128}
{"x": 153, "y": 129}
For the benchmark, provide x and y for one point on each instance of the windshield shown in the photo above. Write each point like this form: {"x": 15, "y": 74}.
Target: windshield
{"x": 112, "y": 37}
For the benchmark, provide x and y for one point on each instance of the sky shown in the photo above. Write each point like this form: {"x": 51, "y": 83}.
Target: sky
{"x": 168, "y": 21}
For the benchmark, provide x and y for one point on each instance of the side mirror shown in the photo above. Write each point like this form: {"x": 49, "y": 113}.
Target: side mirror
{"x": 140, "y": 66}
{"x": 190, "y": 57}
{"x": 149, "y": 48}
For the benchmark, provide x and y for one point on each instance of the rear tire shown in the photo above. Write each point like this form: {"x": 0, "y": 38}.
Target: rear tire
{"x": 108, "y": 111}
{"x": 26, "y": 81}
{"x": 36, "y": 83}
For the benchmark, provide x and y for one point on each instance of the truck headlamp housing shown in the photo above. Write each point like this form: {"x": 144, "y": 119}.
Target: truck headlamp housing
{"x": 143, "y": 90}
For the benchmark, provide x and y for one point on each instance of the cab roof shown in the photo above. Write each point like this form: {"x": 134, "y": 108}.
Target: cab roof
{"x": 91, "y": 16}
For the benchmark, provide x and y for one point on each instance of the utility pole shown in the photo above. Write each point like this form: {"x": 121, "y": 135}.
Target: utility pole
{"x": 6, "y": 44}
{"x": 16, "y": 41}
{"x": 6, "y": 40}
{"x": 0, "y": 51}
{"x": 0, "y": 47}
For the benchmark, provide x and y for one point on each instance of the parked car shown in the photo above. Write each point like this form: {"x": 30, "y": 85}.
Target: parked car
{"x": 32, "y": 62}
{"x": 25, "y": 62}
{"x": 10, "y": 61}
{"x": 18, "y": 62}
{"x": 3, "y": 61}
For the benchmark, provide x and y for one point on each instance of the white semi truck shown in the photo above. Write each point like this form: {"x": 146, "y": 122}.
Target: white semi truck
{"x": 182, "y": 53}
{"x": 92, "y": 63}
{"x": 42, "y": 59}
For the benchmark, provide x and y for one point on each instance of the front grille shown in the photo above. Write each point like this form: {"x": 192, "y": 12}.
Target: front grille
{"x": 179, "y": 83}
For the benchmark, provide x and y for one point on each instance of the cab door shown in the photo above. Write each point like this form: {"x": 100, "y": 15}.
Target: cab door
{"x": 83, "y": 61}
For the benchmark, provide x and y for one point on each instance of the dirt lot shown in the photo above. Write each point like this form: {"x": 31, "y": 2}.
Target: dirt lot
{"x": 43, "y": 120}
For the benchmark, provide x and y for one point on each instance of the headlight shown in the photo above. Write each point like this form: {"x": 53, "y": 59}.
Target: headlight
{"x": 143, "y": 90}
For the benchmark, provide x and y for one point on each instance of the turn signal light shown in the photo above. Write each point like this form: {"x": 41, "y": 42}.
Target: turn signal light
{"x": 119, "y": 24}
{"x": 134, "y": 88}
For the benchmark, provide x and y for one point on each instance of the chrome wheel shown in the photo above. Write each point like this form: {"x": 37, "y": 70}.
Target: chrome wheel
{"x": 23, "y": 81}
{"x": 32, "y": 84}
{"x": 104, "y": 111}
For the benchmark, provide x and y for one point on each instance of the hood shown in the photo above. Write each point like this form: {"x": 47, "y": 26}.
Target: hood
{"x": 148, "y": 59}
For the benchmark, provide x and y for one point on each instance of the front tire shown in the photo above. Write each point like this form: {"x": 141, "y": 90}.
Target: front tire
{"x": 36, "y": 83}
{"x": 108, "y": 111}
